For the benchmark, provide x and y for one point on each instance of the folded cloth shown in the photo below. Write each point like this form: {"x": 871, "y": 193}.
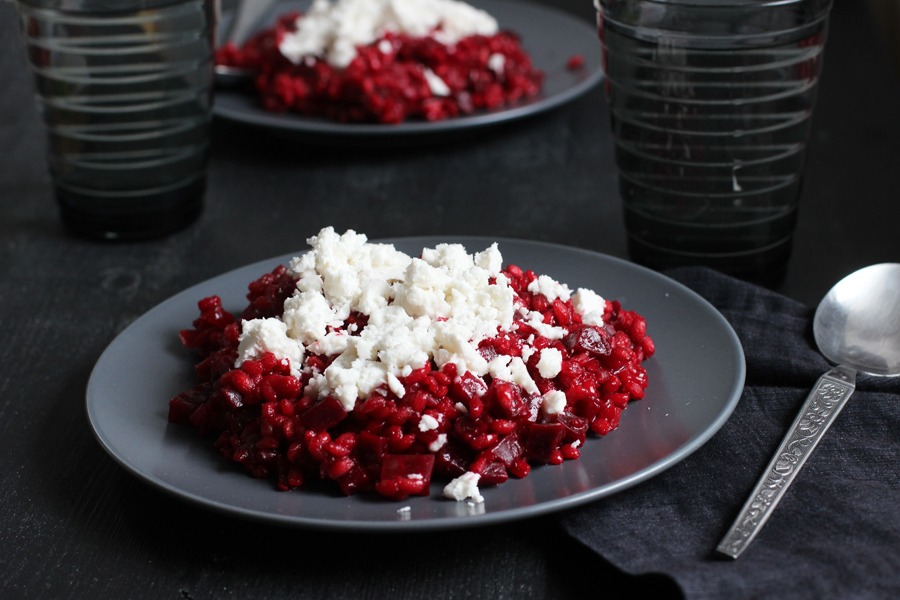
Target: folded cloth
{"x": 835, "y": 533}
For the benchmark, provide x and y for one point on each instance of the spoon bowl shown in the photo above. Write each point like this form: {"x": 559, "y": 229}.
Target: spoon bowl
{"x": 858, "y": 322}
{"x": 856, "y": 327}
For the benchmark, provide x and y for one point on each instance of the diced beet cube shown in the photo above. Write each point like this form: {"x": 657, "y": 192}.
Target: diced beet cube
{"x": 357, "y": 479}
{"x": 576, "y": 427}
{"x": 542, "y": 439}
{"x": 507, "y": 400}
{"x": 208, "y": 418}
{"x": 370, "y": 450}
{"x": 473, "y": 432}
{"x": 508, "y": 450}
{"x": 184, "y": 404}
{"x": 407, "y": 465}
{"x": 589, "y": 338}
{"x": 467, "y": 386}
{"x": 493, "y": 473}
{"x": 452, "y": 460}
{"x": 323, "y": 415}
{"x": 404, "y": 475}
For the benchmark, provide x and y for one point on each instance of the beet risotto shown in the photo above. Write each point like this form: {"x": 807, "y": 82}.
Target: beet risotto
{"x": 378, "y": 61}
{"x": 361, "y": 365}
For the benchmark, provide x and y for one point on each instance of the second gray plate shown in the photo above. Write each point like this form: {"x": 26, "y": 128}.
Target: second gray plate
{"x": 550, "y": 37}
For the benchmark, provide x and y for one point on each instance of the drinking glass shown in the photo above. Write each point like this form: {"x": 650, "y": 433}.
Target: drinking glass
{"x": 711, "y": 103}
{"x": 124, "y": 88}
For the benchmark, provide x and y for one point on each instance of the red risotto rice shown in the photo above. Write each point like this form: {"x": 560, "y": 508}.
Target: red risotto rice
{"x": 436, "y": 419}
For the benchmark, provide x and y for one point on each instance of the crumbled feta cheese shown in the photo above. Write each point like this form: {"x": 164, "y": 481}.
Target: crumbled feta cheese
{"x": 590, "y": 305}
{"x": 527, "y": 352}
{"x": 437, "y": 85}
{"x": 331, "y": 343}
{"x": 308, "y": 315}
{"x": 550, "y": 363}
{"x": 438, "y": 443}
{"x": 490, "y": 260}
{"x": 496, "y": 62}
{"x": 553, "y": 402}
{"x": 535, "y": 320}
{"x": 427, "y": 423}
{"x": 437, "y": 307}
{"x": 550, "y": 288}
{"x": 333, "y": 30}
{"x": 463, "y": 487}
{"x": 395, "y": 385}
{"x": 454, "y": 347}
{"x": 316, "y": 382}
{"x": 514, "y": 370}
{"x": 259, "y": 336}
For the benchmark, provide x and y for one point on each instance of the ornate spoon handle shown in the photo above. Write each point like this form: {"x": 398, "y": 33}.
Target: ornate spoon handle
{"x": 823, "y": 404}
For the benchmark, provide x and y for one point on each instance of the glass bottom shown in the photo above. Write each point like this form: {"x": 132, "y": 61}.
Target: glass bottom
{"x": 766, "y": 267}
{"x": 151, "y": 217}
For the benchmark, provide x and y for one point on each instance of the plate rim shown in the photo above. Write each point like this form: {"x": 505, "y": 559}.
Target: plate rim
{"x": 649, "y": 471}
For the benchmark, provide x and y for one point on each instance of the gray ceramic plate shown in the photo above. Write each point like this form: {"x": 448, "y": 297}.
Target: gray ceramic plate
{"x": 696, "y": 378}
{"x": 548, "y": 35}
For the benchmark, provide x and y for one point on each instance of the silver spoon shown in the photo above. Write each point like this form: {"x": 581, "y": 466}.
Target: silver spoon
{"x": 856, "y": 327}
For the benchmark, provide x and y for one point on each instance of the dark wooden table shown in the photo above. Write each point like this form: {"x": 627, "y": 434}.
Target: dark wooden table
{"x": 74, "y": 524}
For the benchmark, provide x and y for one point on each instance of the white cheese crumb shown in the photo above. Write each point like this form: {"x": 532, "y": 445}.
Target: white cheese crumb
{"x": 527, "y": 352}
{"x": 427, "y": 423}
{"x": 535, "y": 320}
{"x": 496, "y": 62}
{"x": 490, "y": 260}
{"x": 259, "y": 336}
{"x": 331, "y": 343}
{"x": 438, "y": 443}
{"x": 590, "y": 305}
{"x": 553, "y": 402}
{"x": 437, "y": 85}
{"x": 464, "y": 487}
{"x": 550, "y": 288}
{"x": 395, "y": 386}
{"x": 550, "y": 363}
{"x": 513, "y": 370}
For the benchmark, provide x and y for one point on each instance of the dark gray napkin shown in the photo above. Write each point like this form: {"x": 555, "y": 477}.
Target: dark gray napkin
{"x": 836, "y": 532}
